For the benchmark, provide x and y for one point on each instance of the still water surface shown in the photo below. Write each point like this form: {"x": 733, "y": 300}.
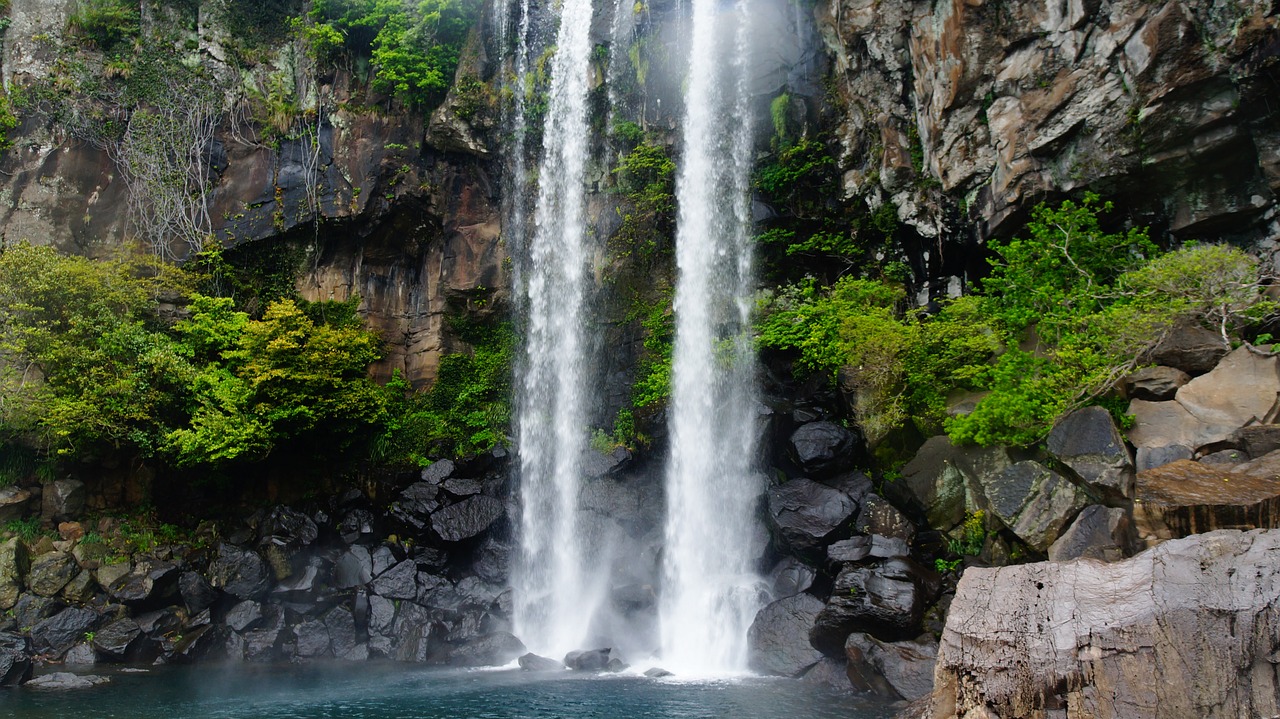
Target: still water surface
{"x": 394, "y": 692}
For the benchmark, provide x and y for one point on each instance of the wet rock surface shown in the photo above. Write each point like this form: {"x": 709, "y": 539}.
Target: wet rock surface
{"x": 779, "y": 636}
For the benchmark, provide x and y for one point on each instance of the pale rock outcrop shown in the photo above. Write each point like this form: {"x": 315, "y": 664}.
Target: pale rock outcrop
{"x": 1188, "y": 630}
{"x": 1241, "y": 390}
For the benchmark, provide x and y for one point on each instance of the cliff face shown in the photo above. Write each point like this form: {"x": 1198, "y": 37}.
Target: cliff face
{"x": 967, "y": 113}
{"x": 354, "y": 186}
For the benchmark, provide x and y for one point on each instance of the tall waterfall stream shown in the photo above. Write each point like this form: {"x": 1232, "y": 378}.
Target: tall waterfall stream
{"x": 706, "y": 585}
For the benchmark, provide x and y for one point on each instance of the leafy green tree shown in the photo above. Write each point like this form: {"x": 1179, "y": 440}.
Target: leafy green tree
{"x": 285, "y": 378}
{"x": 414, "y": 47}
{"x": 88, "y": 366}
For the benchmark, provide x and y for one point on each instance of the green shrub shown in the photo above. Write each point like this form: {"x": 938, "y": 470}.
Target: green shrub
{"x": 1090, "y": 302}
{"x": 414, "y": 47}
{"x": 106, "y": 24}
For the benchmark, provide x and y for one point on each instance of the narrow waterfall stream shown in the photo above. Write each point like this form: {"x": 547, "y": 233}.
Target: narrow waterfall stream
{"x": 553, "y": 607}
{"x": 710, "y": 592}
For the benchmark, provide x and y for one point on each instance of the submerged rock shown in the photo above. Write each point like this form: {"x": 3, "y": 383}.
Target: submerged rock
{"x": 533, "y": 663}
{"x": 489, "y": 650}
{"x": 1184, "y": 631}
{"x": 657, "y": 673}
{"x": 589, "y": 660}
{"x": 60, "y": 681}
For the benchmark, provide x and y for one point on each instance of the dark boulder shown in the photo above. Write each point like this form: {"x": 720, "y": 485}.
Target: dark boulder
{"x": 31, "y": 609}
{"x": 886, "y": 600}
{"x": 150, "y": 581}
{"x": 399, "y": 582}
{"x": 62, "y": 500}
{"x": 285, "y": 527}
{"x": 245, "y": 616}
{"x": 1155, "y": 384}
{"x": 808, "y": 516}
{"x": 418, "y": 636}
{"x": 822, "y": 449}
{"x": 160, "y": 622}
{"x": 1192, "y": 349}
{"x": 1152, "y": 457}
{"x": 790, "y": 576}
{"x": 940, "y": 480}
{"x": 829, "y": 674}
{"x": 261, "y": 645}
{"x": 240, "y": 572}
{"x": 353, "y": 569}
{"x": 50, "y": 572}
{"x": 416, "y": 503}
{"x": 492, "y": 561}
{"x": 459, "y": 487}
{"x": 778, "y": 639}
{"x": 438, "y": 471}
{"x": 14, "y": 565}
{"x": 196, "y": 592}
{"x": 489, "y": 650}
{"x": 311, "y": 639}
{"x": 1088, "y": 442}
{"x": 534, "y": 663}
{"x": 1257, "y": 440}
{"x": 657, "y": 673}
{"x": 853, "y": 549}
{"x": 1034, "y": 502}
{"x": 878, "y": 516}
{"x": 55, "y": 635}
{"x": 119, "y": 641}
{"x": 356, "y": 525}
{"x": 81, "y": 588}
{"x": 466, "y": 519}
{"x": 13, "y": 503}
{"x": 343, "y": 638}
{"x": 15, "y": 659}
{"x": 1098, "y": 533}
{"x": 898, "y": 669}
{"x": 383, "y": 559}
{"x": 589, "y": 660}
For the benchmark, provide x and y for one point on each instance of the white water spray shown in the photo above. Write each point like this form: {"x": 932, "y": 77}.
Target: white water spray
{"x": 555, "y": 594}
{"x": 711, "y": 592}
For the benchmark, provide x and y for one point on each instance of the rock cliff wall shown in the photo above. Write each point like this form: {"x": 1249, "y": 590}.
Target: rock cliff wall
{"x": 355, "y": 185}
{"x": 965, "y": 114}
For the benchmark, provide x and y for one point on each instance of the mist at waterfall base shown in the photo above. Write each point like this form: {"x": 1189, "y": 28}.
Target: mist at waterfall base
{"x": 392, "y": 691}
{"x": 723, "y": 64}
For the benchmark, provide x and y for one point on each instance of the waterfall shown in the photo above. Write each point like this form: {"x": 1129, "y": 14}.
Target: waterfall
{"x": 710, "y": 591}
{"x": 555, "y": 592}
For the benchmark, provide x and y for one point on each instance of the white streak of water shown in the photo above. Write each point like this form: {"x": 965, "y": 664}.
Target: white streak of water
{"x": 556, "y": 596}
{"x": 711, "y": 592}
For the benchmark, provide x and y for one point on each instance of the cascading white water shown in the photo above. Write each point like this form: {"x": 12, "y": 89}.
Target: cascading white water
{"x": 710, "y": 591}
{"x": 554, "y": 591}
